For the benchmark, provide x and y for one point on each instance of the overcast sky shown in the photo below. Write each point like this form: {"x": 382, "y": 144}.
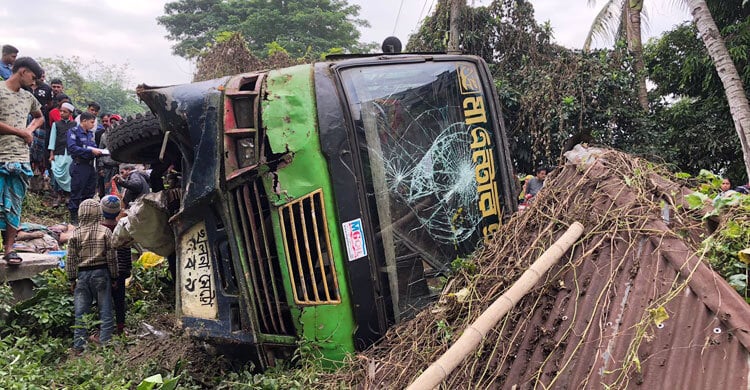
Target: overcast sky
{"x": 119, "y": 31}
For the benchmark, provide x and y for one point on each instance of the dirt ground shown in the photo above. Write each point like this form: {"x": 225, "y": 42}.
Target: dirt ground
{"x": 171, "y": 348}
{"x": 162, "y": 344}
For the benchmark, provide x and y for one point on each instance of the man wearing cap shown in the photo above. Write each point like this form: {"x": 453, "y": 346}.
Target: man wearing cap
{"x": 16, "y": 104}
{"x": 58, "y": 152}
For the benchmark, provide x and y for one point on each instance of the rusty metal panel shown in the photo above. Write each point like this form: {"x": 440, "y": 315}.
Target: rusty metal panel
{"x": 595, "y": 331}
{"x": 241, "y": 123}
{"x": 307, "y": 244}
{"x": 257, "y": 246}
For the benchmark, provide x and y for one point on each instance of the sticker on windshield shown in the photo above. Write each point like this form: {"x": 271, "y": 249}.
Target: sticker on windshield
{"x": 355, "y": 239}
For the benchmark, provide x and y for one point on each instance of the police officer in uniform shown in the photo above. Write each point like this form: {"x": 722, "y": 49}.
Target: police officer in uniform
{"x": 82, "y": 148}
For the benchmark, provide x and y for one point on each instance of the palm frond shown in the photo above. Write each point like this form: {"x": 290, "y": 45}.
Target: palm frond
{"x": 645, "y": 20}
{"x": 606, "y": 24}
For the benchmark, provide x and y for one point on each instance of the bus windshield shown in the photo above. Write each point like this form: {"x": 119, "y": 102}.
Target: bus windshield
{"x": 428, "y": 152}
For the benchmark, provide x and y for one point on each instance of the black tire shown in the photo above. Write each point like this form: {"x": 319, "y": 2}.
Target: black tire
{"x": 136, "y": 140}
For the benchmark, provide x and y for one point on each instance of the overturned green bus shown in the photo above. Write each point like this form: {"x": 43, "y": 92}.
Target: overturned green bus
{"x": 321, "y": 203}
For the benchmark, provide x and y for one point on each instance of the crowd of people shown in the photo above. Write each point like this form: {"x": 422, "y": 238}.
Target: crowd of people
{"x": 43, "y": 134}
{"x": 68, "y": 148}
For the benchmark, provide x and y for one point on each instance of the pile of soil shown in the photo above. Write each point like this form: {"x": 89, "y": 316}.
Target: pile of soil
{"x": 621, "y": 201}
{"x": 166, "y": 345}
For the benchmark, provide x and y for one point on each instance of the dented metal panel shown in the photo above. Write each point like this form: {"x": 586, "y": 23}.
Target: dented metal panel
{"x": 192, "y": 112}
{"x": 287, "y": 110}
{"x": 290, "y": 121}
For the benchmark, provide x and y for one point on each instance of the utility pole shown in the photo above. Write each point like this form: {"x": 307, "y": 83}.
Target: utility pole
{"x": 456, "y": 6}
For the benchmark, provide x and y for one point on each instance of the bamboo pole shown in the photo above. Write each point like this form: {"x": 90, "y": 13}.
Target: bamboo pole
{"x": 475, "y": 333}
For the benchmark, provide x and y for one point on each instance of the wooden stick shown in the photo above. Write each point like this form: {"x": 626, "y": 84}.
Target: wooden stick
{"x": 475, "y": 333}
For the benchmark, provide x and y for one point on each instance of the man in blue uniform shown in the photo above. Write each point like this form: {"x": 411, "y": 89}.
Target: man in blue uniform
{"x": 82, "y": 148}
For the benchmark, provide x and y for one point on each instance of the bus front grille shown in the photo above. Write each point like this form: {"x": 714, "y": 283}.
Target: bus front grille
{"x": 259, "y": 249}
{"x": 307, "y": 244}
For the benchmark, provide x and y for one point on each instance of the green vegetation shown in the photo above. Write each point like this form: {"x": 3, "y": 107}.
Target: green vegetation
{"x": 36, "y": 209}
{"x": 697, "y": 132}
{"x": 730, "y": 221}
{"x": 36, "y": 336}
{"x": 555, "y": 97}
{"x": 301, "y": 28}
{"x": 95, "y": 81}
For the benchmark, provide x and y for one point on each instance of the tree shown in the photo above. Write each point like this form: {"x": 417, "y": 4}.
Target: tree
{"x": 709, "y": 33}
{"x": 94, "y": 81}
{"x": 552, "y": 97}
{"x": 730, "y": 78}
{"x": 301, "y": 27}
{"x": 696, "y": 131}
{"x": 622, "y": 19}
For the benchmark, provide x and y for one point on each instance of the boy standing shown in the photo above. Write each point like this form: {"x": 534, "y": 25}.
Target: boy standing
{"x": 110, "y": 210}
{"x": 92, "y": 270}
{"x": 8, "y": 60}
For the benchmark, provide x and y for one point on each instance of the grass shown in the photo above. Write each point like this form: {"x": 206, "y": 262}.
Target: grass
{"x": 37, "y": 209}
{"x": 36, "y": 336}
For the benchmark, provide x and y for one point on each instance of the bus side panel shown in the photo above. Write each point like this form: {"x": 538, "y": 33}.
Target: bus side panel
{"x": 289, "y": 115}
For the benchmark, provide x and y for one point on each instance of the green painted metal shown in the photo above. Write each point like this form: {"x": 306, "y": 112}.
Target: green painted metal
{"x": 290, "y": 117}
{"x": 276, "y": 339}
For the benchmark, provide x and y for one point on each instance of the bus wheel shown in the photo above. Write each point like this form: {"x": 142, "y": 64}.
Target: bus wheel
{"x": 136, "y": 140}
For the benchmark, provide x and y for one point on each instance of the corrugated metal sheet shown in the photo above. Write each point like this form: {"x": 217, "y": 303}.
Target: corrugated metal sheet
{"x": 590, "y": 325}
{"x": 580, "y": 335}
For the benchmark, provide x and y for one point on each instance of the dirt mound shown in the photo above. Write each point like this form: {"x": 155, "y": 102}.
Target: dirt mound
{"x": 595, "y": 317}
{"x": 161, "y": 342}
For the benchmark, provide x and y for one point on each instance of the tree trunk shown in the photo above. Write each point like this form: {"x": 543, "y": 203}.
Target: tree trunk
{"x": 453, "y": 44}
{"x": 730, "y": 78}
{"x": 635, "y": 45}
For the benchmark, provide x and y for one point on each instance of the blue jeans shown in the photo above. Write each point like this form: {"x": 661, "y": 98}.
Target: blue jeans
{"x": 89, "y": 285}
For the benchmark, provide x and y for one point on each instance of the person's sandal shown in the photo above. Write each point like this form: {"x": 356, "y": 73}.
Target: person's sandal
{"x": 12, "y": 258}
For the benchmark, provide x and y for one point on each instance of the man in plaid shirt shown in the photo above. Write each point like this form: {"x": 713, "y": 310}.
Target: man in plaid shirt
{"x": 92, "y": 270}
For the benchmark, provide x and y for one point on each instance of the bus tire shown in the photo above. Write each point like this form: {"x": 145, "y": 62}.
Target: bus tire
{"x": 136, "y": 140}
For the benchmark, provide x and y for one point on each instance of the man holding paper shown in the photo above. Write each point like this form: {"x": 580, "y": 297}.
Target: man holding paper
{"x": 82, "y": 148}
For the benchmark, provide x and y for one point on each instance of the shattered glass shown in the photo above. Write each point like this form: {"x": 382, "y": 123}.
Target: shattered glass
{"x": 419, "y": 172}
